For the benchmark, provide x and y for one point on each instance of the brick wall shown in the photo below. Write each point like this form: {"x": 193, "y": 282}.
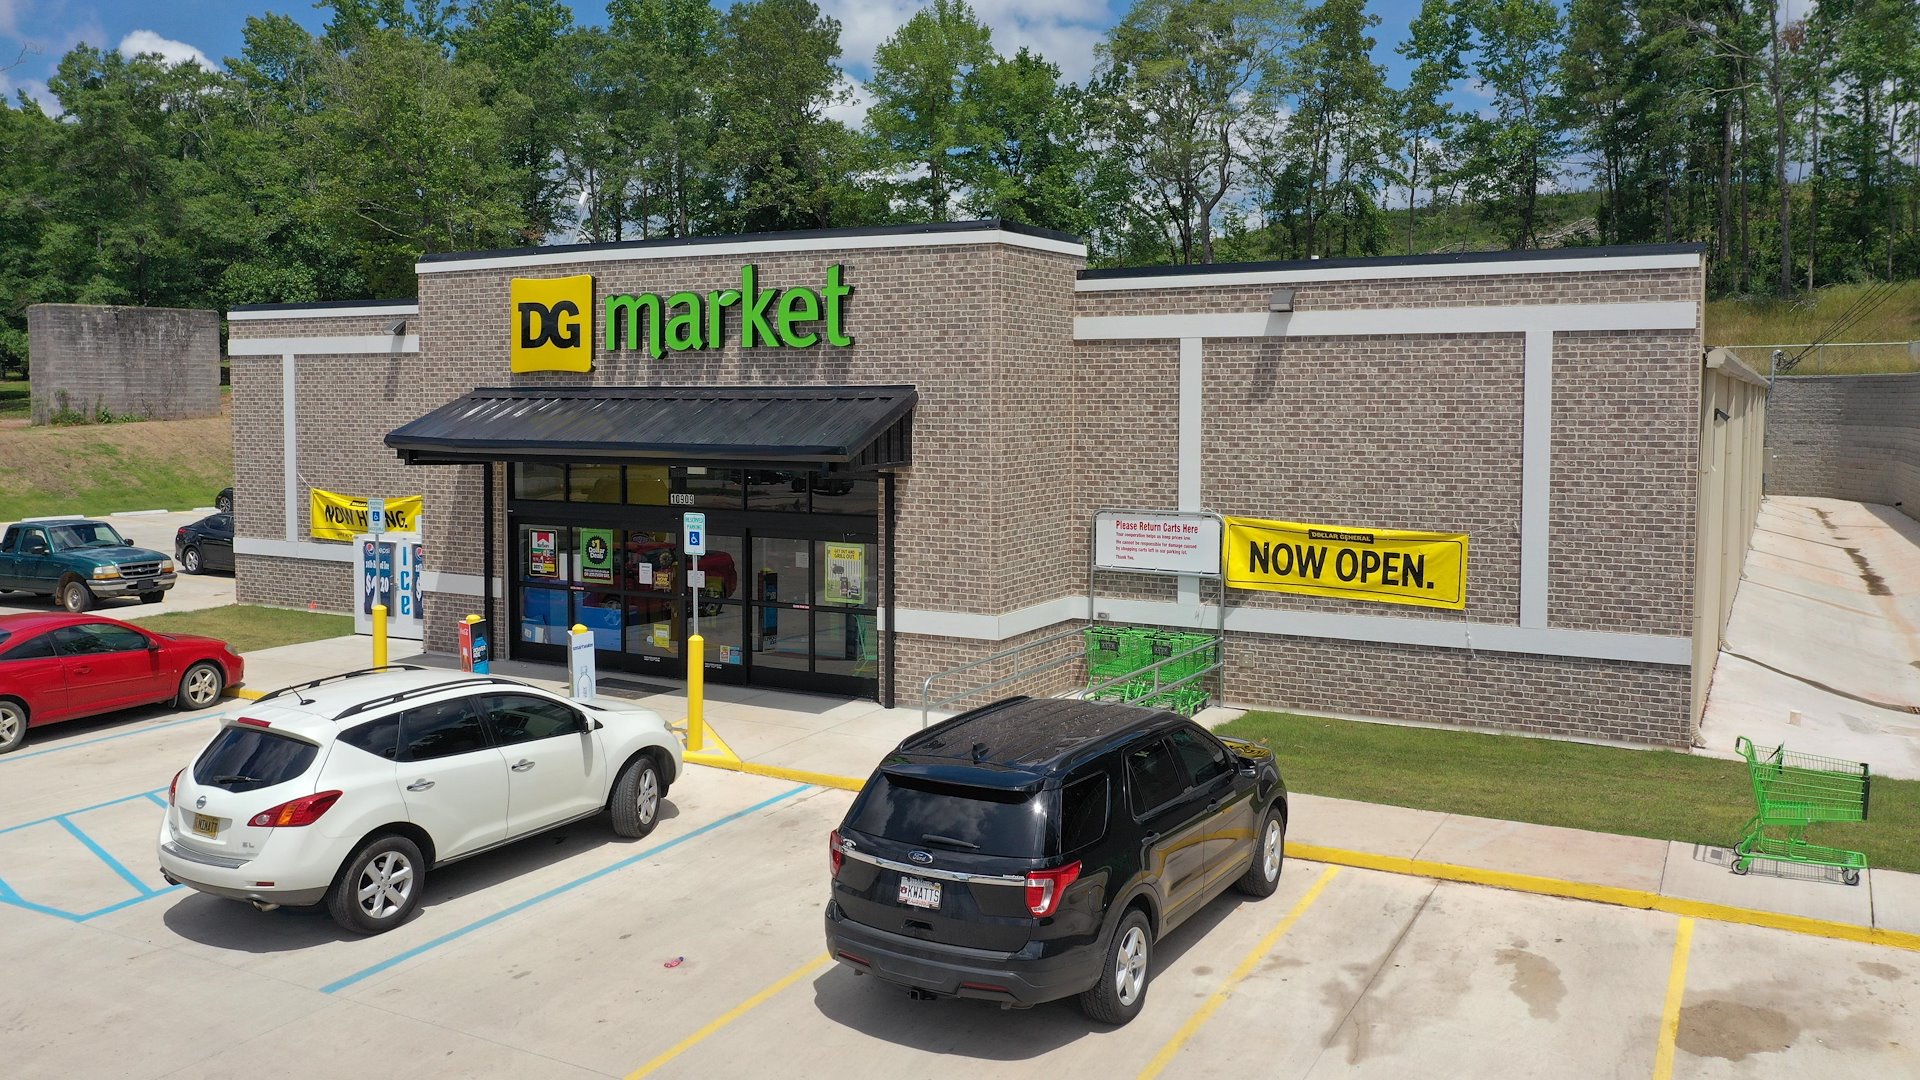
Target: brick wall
{"x": 1846, "y": 437}
{"x": 144, "y": 363}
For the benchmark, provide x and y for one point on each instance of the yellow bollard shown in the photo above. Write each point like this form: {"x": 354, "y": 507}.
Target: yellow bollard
{"x": 379, "y": 635}
{"x": 696, "y": 692}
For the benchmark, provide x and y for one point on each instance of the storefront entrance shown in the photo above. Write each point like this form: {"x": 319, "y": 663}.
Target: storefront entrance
{"x": 791, "y": 571}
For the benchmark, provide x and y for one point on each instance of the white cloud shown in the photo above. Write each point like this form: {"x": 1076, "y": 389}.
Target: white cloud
{"x": 1063, "y": 32}
{"x": 171, "y": 51}
{"x": 10, "y": 17}
{"x": 853, "y": 111}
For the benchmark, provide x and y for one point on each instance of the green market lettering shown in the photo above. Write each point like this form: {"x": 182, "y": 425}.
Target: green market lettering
{"x": 769, "y": 318}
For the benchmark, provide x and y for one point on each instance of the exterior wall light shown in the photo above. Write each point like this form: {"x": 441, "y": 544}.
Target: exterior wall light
{"x": 1281, "y": 300}
{"x": 399, "y": 326}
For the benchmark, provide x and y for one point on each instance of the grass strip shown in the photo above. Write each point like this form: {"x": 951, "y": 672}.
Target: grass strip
{"x": 1661, "y": 794}
{"x": 250, "y": 627}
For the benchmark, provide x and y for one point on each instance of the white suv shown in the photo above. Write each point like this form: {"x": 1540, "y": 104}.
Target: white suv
{"x": 346, "y": 790}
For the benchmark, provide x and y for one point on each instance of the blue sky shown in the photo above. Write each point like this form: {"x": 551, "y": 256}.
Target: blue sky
{"x": 1062, "y": 30}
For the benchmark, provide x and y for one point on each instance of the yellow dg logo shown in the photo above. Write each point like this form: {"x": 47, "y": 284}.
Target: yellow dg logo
{"x": 551, "y": 323}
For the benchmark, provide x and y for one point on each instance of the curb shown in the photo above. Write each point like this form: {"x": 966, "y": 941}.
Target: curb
{"x": 139, "y": 513}
{"x": 245, "y": 695}
{"x": 1613, "y": 895}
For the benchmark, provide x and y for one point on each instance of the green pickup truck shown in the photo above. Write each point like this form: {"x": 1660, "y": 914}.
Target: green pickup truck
{"x": 77, "y": 561}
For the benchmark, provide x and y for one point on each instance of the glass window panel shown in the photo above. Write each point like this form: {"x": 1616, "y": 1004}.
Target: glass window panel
{"x": 698, "y": 486}
{"x": 1154, "y": 775}
{"x": 845, "y": 644}
{"x": 543, "y": 616}
{"x": 840, "y": 495}
{"x": 594, "y": 483}
{"x": 545, "y": 553}
{"x": 647, "y": 485}
{"x": 846, "y": 573}
{"x": 653, "y": 626}
{"x": 783, "y": 639}
{"x": 440, "y": 730}
{"x": 518, "y": 718}
{"x": 652, "y": 561}
{"x": 781, "y": 569}
{"x": 546, "y": 483}
{"x": 721, "y": 564}
{"x": 600, "y": 613}
{"x": 777, "y": 489}
{"x": 722, "y": 626}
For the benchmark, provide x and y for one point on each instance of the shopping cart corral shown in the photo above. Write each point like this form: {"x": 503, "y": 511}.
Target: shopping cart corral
{"x": 1159, "y": 668}
{"x": 1792, "y": 791}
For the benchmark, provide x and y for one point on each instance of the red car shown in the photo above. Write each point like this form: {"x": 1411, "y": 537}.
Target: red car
{"x": 57, "y": 667}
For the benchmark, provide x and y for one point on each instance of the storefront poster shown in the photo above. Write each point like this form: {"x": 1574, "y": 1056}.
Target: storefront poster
{"x": 543, "y": 554}
{"x": 596, "y": 555}
{"x": 846, "y": 575}
{"x": 332, "y": 516}
{"x": 1388, "y": 566}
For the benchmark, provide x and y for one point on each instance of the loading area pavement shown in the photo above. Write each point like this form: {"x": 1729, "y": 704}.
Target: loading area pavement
{"x": 697, "y": 952}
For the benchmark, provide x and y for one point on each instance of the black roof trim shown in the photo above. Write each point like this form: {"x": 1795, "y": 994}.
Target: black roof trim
{"x": 835, "y": 428}
{"x": 1444, "y": 258}
{"x": 323, "y": 305}
{"x": 982, "y": 225}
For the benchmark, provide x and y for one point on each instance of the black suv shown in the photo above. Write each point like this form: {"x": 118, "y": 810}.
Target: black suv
{"x": 1036, "y": 848}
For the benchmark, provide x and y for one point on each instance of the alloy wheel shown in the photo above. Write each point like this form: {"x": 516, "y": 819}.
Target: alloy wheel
{"x": 385, "y": 885}
{"x": 12, "y": 723}
{"x": 1130, "y": 966}
{"x": 1271, "y": 849}
{"x": 190, "y": 560}
{"x": 648, "y": 801}
{"x": 203, "y": 686}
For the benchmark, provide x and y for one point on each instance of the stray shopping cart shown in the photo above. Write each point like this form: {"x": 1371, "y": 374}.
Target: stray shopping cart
{"x": 1792, "y": 791}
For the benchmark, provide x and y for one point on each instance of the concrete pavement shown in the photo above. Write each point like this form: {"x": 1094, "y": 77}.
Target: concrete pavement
{"x": 191, "y": 592}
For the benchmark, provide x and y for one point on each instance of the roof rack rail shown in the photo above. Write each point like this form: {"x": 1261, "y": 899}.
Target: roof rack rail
{"x": 311, "y": 683}
{"x": 402, "y": 695}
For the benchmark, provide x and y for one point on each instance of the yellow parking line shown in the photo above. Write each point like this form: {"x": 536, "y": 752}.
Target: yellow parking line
{"x": 1219, "y": 997}
{"x": 729, "y": 1016}
{"x": 1676, "y": 990}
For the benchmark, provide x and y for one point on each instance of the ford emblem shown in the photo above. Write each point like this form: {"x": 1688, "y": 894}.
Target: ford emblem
{"x": 921, "y": 857}
{"x": 201, "y": 803}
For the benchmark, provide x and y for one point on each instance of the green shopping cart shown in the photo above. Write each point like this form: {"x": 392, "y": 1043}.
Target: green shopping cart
{"x": 1792, "y": 791}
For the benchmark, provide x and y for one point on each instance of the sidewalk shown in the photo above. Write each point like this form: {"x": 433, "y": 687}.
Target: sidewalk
{"x": 838, "y": 742}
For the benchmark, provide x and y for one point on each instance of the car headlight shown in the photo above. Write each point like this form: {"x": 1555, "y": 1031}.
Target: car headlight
{"x": 106, "y": 572}
{"x": 166, "y": 566}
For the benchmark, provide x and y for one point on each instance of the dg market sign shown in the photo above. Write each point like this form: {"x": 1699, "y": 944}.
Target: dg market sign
{"x": 550, "y": 321}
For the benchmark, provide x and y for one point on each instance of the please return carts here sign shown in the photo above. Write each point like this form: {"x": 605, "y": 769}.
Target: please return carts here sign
{"x": 1157, "y": 543}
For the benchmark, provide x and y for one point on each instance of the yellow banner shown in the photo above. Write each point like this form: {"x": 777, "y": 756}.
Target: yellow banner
{"x": 338, "y": 517}
{"x": 1389, "y": 566}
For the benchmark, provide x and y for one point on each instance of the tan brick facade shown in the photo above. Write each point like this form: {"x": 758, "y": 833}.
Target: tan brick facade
{"x": 1022, "y": 432}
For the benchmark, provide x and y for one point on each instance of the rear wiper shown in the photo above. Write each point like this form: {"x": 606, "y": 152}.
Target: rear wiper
{"x": 936, "y": 838}
{"x": 239, "y": 780}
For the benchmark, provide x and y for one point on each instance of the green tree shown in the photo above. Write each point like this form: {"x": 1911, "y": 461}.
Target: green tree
{"x": 519, "y": 44}
{"x": 665, "y": 112}
{"x": 1436, "y": 43}
{"x": 922, "y": 114}
{"x": 1514, "y": 152}
{"x": 1337, "y": 126}
{"x": 1027, "y": 161}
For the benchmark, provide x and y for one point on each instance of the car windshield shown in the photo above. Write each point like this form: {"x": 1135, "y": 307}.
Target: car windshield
{"x": 85, "y": 534}
{"x": 954, "y": 817}
{"x": 245, "y": 758}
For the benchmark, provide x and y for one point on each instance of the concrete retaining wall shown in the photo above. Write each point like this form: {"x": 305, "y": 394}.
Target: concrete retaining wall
{"x": 130, "y": 362}
{"x": 1846, "y": 437}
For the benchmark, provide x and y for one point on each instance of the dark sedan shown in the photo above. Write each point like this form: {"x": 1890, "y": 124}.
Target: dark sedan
{"x": 205, "y": 545}
{"x": 61, "y": 667}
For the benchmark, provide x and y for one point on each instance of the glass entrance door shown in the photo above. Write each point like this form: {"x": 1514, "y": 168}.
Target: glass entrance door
{"x": 812, "y": 623}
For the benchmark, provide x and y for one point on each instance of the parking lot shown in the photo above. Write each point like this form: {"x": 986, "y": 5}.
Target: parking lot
{"x": 697, "y": 952}
{"x": 190, "y": 592}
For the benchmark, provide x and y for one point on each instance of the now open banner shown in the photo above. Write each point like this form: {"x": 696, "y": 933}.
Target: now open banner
{"x": 1388, "y": 566}
{"x": 333, "y": 516}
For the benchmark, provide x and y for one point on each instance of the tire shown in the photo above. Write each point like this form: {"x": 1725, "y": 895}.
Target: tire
{"x": 1269, "y": 854}
{"x": 200, "y": 686}
{"x": 13, "y": 725}
{"x": 224, "y": 504}
{"x": 635, "y": 802}
{"x": 386, "y": 866}
{"x": 1122, "y": 989}
{"x": 1850, "y": 877}
{"x": 75, "y": 597}
{"x": 190, "y": 560}
{"x": 152, "y": 597}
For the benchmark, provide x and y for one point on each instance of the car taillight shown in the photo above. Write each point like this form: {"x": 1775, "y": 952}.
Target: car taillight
{"x": 1046, "y": 887}
{"x": 175, "y": 786}
{"x": 835, "y": 857}
{"x": 304, "y": 810}
{"x": 251, "y": 722}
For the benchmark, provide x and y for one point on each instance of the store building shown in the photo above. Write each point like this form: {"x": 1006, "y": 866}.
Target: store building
{"x": 899, "y": 438}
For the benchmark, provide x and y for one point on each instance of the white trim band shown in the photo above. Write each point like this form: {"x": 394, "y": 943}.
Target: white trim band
{"x": 1372, "y": 322}
{"x": 1304, "y": 275}
{"x": 1673, "y": 651}
{"x": 310, "y": 550}
{"x": 357, "y": 311}
{"x": 754, "y": 247}
{"x": 324, "y": 346}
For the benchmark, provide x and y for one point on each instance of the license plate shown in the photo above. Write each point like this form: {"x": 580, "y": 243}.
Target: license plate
{"x": 917, "y": 892}
{"x": 206, "y": 826}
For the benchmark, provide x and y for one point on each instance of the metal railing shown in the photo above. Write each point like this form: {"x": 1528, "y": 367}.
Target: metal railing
{"x": 927, "y": 704}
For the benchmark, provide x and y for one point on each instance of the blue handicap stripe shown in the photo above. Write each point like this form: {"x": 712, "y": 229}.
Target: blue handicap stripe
{"x": 112, "y": 863}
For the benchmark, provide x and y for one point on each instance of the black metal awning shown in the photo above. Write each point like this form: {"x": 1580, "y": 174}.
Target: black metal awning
{"x": 832, "y": 428}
